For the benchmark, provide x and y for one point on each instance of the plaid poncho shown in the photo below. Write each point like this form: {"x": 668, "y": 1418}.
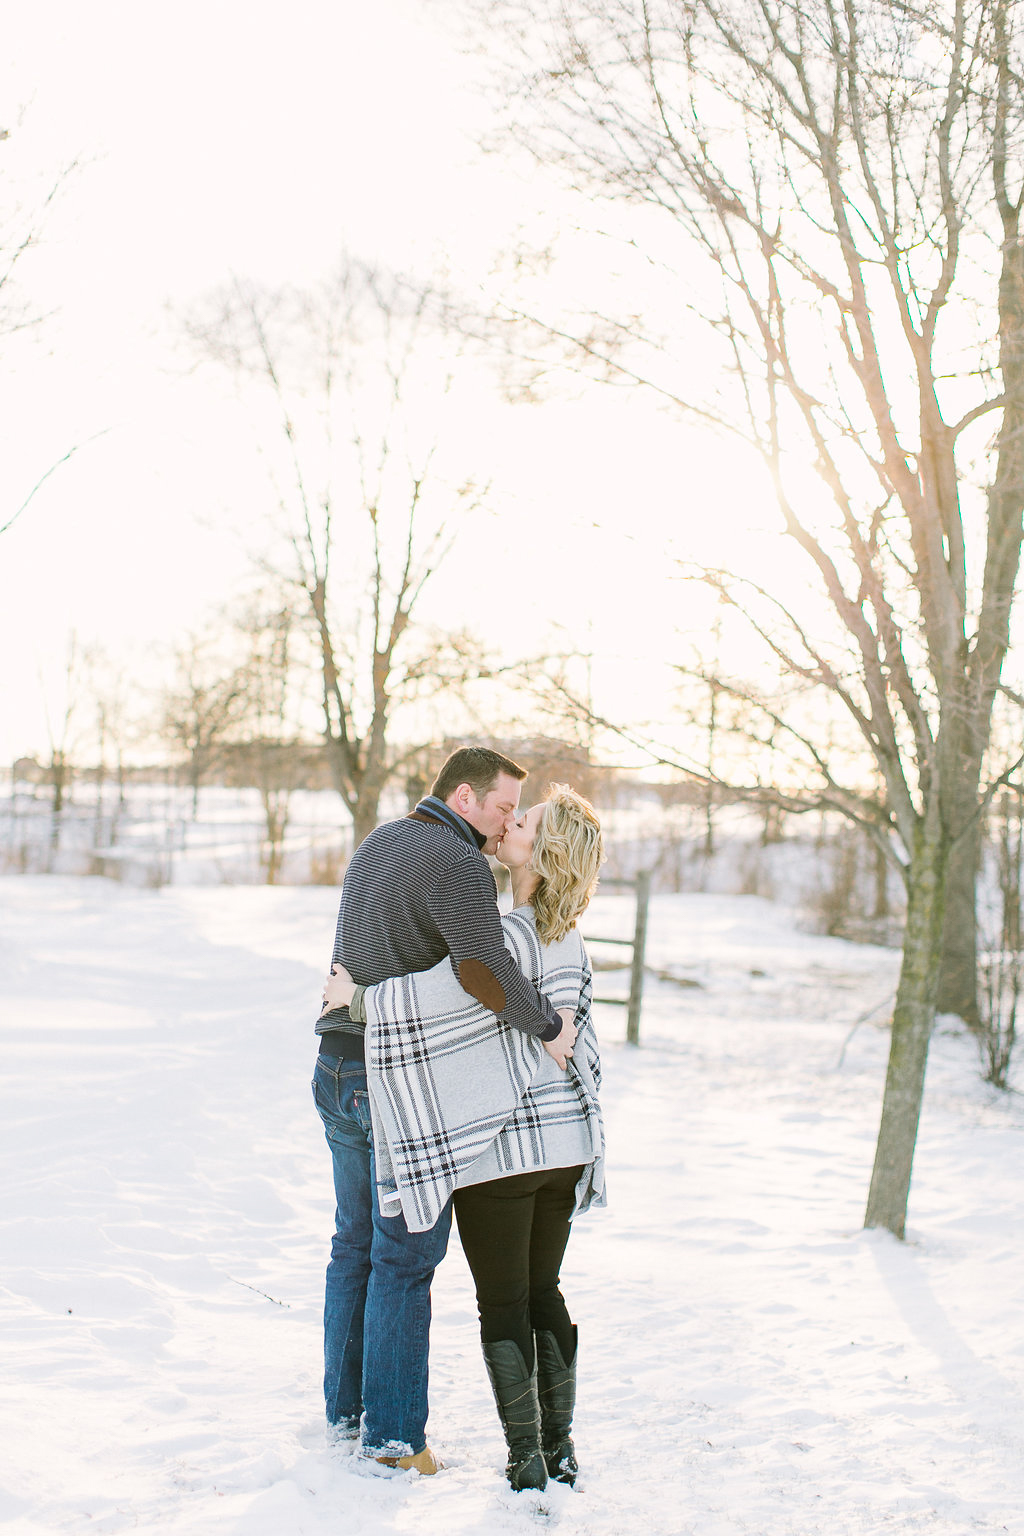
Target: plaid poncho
{"x": 457, "y": 1097}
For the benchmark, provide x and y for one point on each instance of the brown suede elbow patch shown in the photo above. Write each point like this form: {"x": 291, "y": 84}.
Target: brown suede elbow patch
{"x": 480, "y": 982}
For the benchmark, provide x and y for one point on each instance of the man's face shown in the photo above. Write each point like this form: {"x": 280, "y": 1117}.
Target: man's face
{"x": 494, "y": 814}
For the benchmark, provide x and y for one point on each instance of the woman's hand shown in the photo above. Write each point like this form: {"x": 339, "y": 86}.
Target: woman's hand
{"x": 560, "y": 1048}
{"x": 338, "y": 989}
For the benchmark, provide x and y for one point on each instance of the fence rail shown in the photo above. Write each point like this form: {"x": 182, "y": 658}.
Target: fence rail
{"x": 641, "y": 884}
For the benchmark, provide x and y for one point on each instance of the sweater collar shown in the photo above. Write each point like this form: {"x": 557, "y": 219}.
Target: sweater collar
{"x": 437, "y": 810}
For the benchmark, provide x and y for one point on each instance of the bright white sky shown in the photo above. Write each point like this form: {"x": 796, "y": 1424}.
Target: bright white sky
{"x": 224, "y": 137}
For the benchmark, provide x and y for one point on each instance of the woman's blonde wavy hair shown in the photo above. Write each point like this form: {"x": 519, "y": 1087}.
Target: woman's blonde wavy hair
{"x": 567, "y": 854}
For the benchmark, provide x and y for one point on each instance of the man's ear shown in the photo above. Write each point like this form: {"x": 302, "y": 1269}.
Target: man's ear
{"x": 463, "y": 797}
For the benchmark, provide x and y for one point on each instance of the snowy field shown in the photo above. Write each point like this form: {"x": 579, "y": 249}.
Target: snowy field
{"x": 751, "y": 1361}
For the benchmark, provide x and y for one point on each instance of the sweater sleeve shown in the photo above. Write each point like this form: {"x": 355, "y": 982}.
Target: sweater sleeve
{"x": 463, "y": 904}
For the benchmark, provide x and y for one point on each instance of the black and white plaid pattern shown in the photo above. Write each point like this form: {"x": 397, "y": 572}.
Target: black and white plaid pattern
{"x": 458, "y": 1097}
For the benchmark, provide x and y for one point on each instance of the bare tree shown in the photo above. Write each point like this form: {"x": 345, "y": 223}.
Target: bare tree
{"x": 20, "y": 231}
{"x": 205, "y": 703}
{"x": 842, "y": 181}
{"x": 102, "y": 698}
{"x": 999, "y": 924}
{"x": 1000, "y": 932}
{"x": 273, "y": 723}
{"x": 60, "y": 731}
{"x": 348, "y": 384}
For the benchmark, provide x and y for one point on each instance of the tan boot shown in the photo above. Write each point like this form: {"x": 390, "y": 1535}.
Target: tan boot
{"x": 424, "y": 1462}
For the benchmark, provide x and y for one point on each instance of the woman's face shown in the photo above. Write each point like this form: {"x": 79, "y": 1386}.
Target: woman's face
{"x": 517, "y": 844}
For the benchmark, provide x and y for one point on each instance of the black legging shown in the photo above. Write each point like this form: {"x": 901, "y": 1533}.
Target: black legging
{"x": 514, "y": 1233}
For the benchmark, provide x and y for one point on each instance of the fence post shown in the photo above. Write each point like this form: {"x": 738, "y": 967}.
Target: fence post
{"x": 636, "y": 978}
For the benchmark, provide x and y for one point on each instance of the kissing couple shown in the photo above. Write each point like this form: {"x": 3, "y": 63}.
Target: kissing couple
{"x": 458, "y": 1069}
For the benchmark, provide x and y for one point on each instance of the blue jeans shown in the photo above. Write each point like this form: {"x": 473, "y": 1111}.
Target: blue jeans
{"x": 377, "y": 1304}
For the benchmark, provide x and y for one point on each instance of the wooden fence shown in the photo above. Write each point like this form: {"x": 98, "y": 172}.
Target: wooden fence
{"x": 638, "y": 944}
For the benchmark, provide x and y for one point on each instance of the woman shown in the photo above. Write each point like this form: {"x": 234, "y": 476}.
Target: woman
{"x": 461, "y": 1102}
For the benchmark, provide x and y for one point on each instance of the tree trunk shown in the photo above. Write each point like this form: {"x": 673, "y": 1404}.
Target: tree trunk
{"x": 59, "y": 772}
{"x": 276, "y": 810}
{"x": 958, "y": 987}
{"x": 881, "y": 908}
{"x": 911, "y": 1029}
{"x": 958, "y": 964}
{"x": 364, "y": 819}
{"x": 709, "y": 791}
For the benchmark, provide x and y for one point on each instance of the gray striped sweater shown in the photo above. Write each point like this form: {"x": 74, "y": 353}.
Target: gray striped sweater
{"x": 418, "y": 890}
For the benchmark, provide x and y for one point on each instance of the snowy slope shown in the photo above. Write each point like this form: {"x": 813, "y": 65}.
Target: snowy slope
{"x": 751, "y": 1361}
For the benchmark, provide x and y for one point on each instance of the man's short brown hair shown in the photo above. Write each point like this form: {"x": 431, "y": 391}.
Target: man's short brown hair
{"x": 478, "y": 767}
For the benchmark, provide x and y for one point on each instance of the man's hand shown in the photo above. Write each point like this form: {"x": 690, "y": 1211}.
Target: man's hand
{"x": 560, "y": 1048}
{"x": 338, "y": 989}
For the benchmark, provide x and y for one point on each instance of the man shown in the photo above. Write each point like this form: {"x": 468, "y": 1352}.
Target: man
{"x": 416, "y": 890}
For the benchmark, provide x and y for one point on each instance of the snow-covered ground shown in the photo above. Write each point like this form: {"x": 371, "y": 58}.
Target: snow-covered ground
{"x": 751, "y": 1361}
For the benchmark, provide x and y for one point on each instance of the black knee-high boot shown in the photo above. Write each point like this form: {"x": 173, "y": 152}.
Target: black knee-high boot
{"x": 515, "y": 1393}
{"x": 556, "y": 1390}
